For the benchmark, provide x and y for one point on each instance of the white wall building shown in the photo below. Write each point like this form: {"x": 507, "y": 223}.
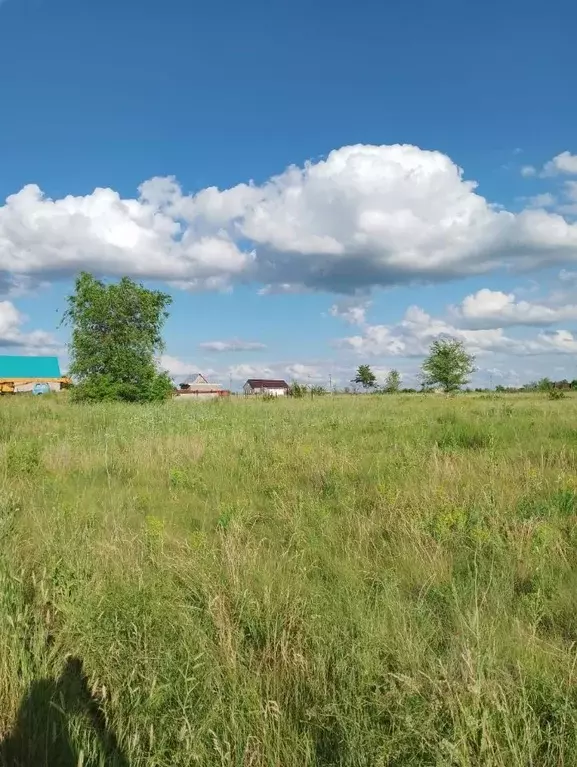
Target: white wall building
{"x": 270, "y": 387}
{"x": 198, "y": 388}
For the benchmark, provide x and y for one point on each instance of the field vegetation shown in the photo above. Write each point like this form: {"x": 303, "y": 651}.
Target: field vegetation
{"x": 335, "y": 582}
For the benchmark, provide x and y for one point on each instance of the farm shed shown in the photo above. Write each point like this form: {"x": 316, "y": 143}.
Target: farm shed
{"x": 200, "y": 388}
{"x": 20, "y": 374}
{"x": 271, "y": 387}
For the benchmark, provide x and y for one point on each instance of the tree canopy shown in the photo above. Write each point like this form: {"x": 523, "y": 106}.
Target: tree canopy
{"x": 115, "y": 339}
{"x": 365, "y": 377}
{"x": 448, "y": 365}
{"x": 392, "y": 382}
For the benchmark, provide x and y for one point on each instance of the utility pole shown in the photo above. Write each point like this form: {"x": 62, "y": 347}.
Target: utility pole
{"x": 330, "y": 383}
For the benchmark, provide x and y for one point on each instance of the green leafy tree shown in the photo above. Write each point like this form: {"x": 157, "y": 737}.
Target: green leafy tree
{"x": 116, "y": 336}
{"x": 392, "y": 382}
{"x": 448, "y": 365}
{"x": 365, "y": 377}
{"x": 297, "y": 390}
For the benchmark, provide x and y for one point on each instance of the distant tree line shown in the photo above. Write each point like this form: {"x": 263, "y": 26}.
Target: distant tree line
{"x": 554, "y": 389}
{"x": 116, "y": 338}
{"x": 393, "y": 384}
{"x": 300, "y": 390}
{"x": 447, "y": 367}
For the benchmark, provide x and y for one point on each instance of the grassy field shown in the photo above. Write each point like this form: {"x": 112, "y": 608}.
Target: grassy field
{"x": 361, "y": 582}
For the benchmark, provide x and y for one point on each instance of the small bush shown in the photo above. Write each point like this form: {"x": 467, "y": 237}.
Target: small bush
{"x": 555, "y": 393}
{"x": 297, "y": 390}
{"x": 181, "y": 479}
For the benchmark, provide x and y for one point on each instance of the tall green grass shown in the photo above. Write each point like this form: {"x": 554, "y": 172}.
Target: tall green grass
{"x": 352, "y": 582}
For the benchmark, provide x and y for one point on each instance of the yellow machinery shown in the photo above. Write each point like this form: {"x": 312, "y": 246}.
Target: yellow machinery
{"x": 9, "y": 387}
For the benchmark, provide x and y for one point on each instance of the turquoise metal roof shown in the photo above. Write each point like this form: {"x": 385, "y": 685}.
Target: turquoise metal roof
{"x": 29, "y": 367}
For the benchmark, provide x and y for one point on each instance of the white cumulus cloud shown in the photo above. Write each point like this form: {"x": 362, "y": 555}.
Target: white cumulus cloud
{"x": 570, "y": 190}
{"x": 301, "y": 372}
{"x": 563, "y": 163}
{"x": 493, "y": 308}
{"x": 569, "y": 206}
{"x": 352, "y": 311}
{"x": 178, "y": 368}
{"x": 544, "y": 200}
{"x": 106, "y": 234}
{"x": 365, "y": 216}
{"x": 413, "y": 335}
{"x": 12, "y": 335}
{"x": 234, "y": 345}
{"x": 243, "y": 371}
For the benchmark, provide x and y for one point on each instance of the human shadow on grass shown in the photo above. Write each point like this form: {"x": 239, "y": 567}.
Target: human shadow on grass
{"x": 41, "y": 736}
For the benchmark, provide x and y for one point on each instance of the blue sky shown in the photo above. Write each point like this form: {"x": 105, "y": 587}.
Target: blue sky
{"x": 366, "y": 250}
